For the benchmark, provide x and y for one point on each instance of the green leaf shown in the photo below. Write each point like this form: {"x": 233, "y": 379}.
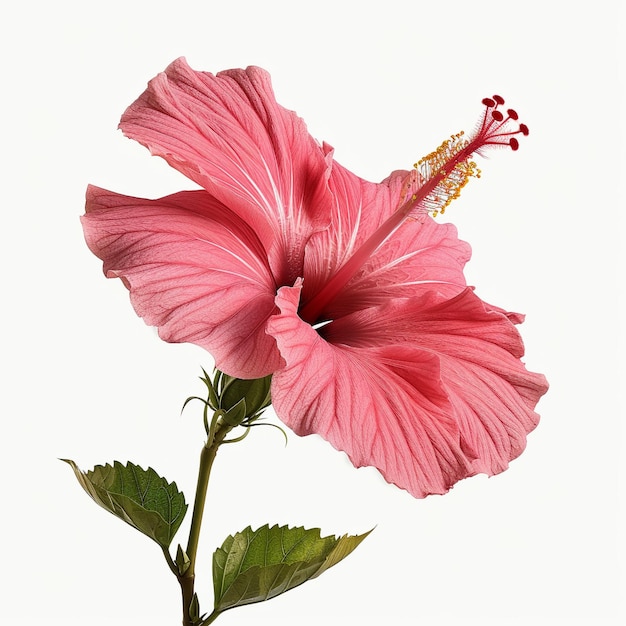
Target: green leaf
{"x": 139, "y": 497}
{"x": 256, "y": 565}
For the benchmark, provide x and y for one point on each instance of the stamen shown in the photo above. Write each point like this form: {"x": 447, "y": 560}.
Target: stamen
{"x": 440, "y": 165}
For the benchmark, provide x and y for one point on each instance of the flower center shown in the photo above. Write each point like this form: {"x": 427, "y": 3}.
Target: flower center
{"x": 428, "y": 189}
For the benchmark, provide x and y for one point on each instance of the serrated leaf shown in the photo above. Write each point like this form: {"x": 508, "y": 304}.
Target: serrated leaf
{"x": 253, "y": 566}
{"x": 140, "y": 497}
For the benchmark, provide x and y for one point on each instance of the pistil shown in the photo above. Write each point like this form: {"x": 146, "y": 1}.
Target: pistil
{"x": 428, "y": 189}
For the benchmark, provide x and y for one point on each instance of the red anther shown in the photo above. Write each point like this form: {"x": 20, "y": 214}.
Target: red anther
{"x": 499, "y": 99}
{"x": 512, "y": 113}
{"x": 523, "y": 129}
{"x": 497, "y": 116}
{"x": 488, "y": 102}
{"x": 513, "y": 143}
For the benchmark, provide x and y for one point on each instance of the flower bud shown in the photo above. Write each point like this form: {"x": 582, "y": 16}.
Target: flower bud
{"x": 255, "y": 393}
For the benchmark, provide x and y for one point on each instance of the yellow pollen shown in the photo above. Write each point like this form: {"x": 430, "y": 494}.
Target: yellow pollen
{"x": 454, "y": 174}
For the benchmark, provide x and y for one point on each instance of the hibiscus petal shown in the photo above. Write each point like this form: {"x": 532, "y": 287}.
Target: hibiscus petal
{"x": 419, "y": 257}
{"x": 384, "y": 406}
{"x": 479, "y": 350}
{"x": 194, "y": 270}
{"x": 359, "y": 207}
{"x": 228, "y": 134}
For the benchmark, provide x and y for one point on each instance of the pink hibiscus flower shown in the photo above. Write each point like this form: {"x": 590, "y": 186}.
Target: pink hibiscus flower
{"x": 347, "y": 291}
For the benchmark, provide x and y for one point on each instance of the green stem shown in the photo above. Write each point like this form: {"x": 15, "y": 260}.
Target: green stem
{"x": 207, "y": 456}
{"x": 187, "y": 590}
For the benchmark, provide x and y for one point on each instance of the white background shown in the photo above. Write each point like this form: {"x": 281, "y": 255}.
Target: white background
{"x": 384, "y": 83}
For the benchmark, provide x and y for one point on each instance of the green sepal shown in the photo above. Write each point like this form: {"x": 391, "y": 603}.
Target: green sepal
{"x": 182, "y": 560}
{"x": 139, "y": 497}
{"x": 253, "y": 566}
{"x": 194, "y": 609}
{"x": 236, "y": 414}
{"x": 213, "y": 399}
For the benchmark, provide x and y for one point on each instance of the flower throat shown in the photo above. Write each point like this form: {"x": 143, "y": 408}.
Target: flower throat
{"x": 433, "y": 183}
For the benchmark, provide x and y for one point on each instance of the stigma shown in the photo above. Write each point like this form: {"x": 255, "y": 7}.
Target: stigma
{"x": 437, "y": 179}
